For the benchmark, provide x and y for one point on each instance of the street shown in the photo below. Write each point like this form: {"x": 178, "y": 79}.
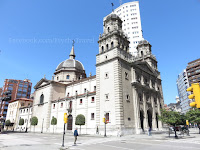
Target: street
{"x": 44, "y": 141}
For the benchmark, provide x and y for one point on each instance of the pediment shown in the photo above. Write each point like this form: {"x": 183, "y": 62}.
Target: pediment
{"x": 145, "y": 67}
{"x": 41, "y": 83}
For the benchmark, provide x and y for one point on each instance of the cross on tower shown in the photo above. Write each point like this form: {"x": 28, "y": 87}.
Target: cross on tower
{"x": 73, "y": 42}
{"x": 112, "y": 7}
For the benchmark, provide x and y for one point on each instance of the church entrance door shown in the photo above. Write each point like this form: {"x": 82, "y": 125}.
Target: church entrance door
{"x": 142, "y": 120}
{"x": 149, "y": 114}
{"x": 69, "y": 122}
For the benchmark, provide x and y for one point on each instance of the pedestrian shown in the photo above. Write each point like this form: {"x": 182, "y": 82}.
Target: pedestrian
{"x": 149, "y": 132}
{"x": 75, "y": 135}
{"x": 97, "y": 132}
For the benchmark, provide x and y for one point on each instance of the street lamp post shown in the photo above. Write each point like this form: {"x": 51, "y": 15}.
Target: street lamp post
{"x": 105, "y": 125}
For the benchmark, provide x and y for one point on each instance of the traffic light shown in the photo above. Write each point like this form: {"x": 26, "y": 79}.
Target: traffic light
{"x": 187, "y": 122}
{"x": 104, "y": 120}
{"x": 196, "y": 95}
{"x": 65, "y": 117}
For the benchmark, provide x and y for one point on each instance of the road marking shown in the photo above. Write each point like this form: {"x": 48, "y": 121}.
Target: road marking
{"x": 164, "y": 145}
{"x": 116, "y": 147}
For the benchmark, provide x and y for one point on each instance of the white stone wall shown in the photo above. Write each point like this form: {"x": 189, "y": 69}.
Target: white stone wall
{"x": 24, "y": 113}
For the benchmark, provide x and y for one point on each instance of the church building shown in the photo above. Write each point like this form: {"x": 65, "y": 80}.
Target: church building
{"x": 126, "y": 89}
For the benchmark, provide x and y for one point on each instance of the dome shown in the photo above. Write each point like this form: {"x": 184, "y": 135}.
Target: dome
{"x": 143, "y": 42}
{"x": 112, "y": 16}
{"x": 70, "y": 63}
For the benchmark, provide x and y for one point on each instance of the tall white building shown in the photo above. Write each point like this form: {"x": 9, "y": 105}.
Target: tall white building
{"x": 131, "y": 25}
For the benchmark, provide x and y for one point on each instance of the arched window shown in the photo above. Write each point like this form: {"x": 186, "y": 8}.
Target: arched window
{"x": 57, "y": 78}
{"x": 107, "y": 46}
{"x": 108, "y": 29}
{"x": 102, "y": 49}
{"x": 67, "y": 76}
{"x": 142, "y": 53}
{"x": 140, "y": 98}
{"x": 112, "y": 44}
{"x": 41, "y": 99}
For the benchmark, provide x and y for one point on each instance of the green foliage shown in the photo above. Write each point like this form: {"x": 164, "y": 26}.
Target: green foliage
{"x": 21, "y": 121}
{"x": 193, "y": 116}
{"x": 7, "y": 123}
{"x": 172, "y": 117}
{"x": 34, "y": 121}
{"x": 80, "y": 120}
{"x": 53, "y": 121}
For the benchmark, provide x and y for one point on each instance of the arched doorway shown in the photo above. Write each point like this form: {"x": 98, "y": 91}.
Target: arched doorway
{"x": 157, "y": 119}
{"x": 69, "y": 122}
{"x": 149, "y": 114}
{"x": 142, "y": 119}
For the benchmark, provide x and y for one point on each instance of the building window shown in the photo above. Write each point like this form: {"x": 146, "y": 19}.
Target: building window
{"x": 81, "y": 101}
{"x": 112, "y": 44}
{"x": 61, "y": 105}
{"x": 94, "y": 88}
{"x": 22, "y": 104}
{"x": 127, "y": 97}
{"x": 140, "y": 98}
{"x": 92, "y": 116}
{"x": 54, "y": 106}
{"x": 102, "y": 49}
{"x": 126, "y": 75}
{"x": 129, "y": 119}
{"x": 142, "y": 54}
{"x": 155, "y": 101}
{"x": 67, "y": 76}
{"x": 107, "y": 47}
{"x": 147, "y": 98}
{"x": 108, "y": 29}
{"x": 26, "y": 110}
{"x": 76, "y": 93}
{"x": 106, "y": 75}
{"x": 57, "y": 78}
{"x": 85, "y": 90}
{"x": 41, "y": 99}
{"x": 107, "y": 97}
{"x": 68, "y": 94}
{"x": 92, "y": 100}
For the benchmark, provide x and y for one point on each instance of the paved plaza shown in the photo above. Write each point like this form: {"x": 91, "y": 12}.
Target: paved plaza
{"x": 44, "y": 141}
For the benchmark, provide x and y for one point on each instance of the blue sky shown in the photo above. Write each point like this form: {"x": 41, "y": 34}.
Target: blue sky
{"x": 171, "y": 26}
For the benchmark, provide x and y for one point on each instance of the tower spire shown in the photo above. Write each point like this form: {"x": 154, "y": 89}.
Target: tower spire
{"x": 72, "y": 54}
{"x": 112, "y": 7}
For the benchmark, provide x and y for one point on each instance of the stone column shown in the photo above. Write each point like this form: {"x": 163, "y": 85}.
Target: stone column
{"x": 145, "y": 111}
{"x": 153, "y": 113}
{"x": 136, "y": 110}
{"x": 160, "y": 127}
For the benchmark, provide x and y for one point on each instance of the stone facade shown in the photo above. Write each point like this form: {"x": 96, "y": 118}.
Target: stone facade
{"x": 126, "y": 90}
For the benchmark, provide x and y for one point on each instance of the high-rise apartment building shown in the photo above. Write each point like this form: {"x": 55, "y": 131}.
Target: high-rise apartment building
{"x": 131, "y": 25}
{"x": 193, "y": 71}
{"x": 182, "y": 85}
{"x": 17, "y": 89}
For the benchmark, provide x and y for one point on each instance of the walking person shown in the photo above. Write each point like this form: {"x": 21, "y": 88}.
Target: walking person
{"x": 75, "y": 135}
{"x": 149, "y": 132}
{"x": 97, "y": 131}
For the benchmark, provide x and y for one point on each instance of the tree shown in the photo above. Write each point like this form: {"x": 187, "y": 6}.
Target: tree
{"x": 21, "y": 122}
{"x": 7, "y": 123}
{"x": 53, "y": 122}
{"x": 193, "y": 116}
{"x": 80, "y": 120}
{"x": 172, "y": 118}
{"x": 34, "y": 121}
